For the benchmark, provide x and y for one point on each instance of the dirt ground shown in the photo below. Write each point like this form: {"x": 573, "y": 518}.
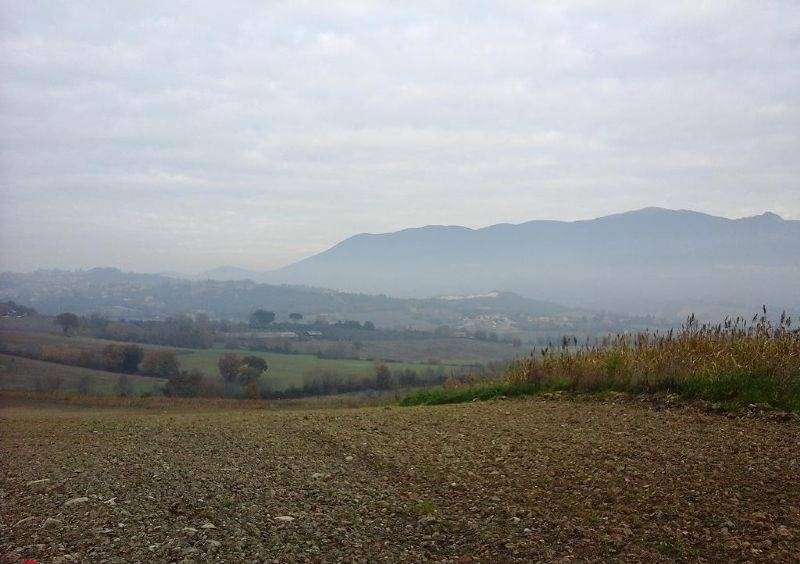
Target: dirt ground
{"x": 522, "y": 480}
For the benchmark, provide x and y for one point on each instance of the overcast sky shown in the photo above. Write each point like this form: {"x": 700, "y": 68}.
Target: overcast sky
{"x": 179, "y": 136}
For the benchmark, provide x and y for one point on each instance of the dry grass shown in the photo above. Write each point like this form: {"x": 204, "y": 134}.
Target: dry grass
{"x": 734, "y": 363}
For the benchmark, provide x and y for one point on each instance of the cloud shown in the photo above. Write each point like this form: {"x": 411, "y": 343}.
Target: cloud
{"x": 151, "y": 135}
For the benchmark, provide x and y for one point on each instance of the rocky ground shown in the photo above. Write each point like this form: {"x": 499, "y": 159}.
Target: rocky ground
{"x": 515, "y": 480}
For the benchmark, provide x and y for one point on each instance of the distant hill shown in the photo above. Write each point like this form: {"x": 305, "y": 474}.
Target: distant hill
{"x": 226, "y": 273}
{"x": 118, "y": 294}
{"x": 633, "y": 261}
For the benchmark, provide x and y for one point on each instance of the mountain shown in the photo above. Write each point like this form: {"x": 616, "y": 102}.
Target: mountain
{"x": 632, "y": 261}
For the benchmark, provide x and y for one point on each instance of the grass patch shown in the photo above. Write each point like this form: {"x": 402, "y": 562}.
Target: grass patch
{"x": 479, "y": 392}
{"x": 734, "y": 364}
{"x": 24, "y": 374}
{"x": 423, "y": 508}
{"x": 287, "y": 370}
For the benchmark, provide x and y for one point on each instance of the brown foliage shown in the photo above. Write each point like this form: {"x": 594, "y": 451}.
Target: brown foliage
{"x": 163, "y": 364}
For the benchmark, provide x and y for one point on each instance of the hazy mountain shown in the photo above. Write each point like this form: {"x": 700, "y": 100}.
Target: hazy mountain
{"x": 628, "y": 261}
{"x": 231, "y": 273}
{"x": 118, "y": 294}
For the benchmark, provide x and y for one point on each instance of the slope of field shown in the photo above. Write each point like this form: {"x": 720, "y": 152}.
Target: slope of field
{"x": 31, "y": 342}
{"x": 286, "y": 370}
{"x": 18, "y": 373}
{"x": 447, "y": 350}
{"x": 506, "y": 481}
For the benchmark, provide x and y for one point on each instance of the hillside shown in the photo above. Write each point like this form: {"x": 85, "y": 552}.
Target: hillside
{"x": 117, "y": 294}
{"x": 632, "y": 261}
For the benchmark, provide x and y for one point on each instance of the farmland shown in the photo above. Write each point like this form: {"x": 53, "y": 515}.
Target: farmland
{"x": 285, "y": 370}
{"x": 516, "y": 480}
{"x": 19, "y": 373}
{"x": 452, "y": 351}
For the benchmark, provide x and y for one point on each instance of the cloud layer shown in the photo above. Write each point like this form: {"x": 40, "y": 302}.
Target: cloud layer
{"x": 185, "y": 135}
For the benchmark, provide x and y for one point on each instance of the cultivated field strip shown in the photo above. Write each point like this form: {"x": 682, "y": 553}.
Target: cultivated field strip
{"x": 503, "y": 481}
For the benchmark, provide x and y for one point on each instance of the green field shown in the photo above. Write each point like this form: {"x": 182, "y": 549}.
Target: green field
{"x": 447, "y": 350}
{"x": 285, "y": 370}
{"x": 18, "y": 373}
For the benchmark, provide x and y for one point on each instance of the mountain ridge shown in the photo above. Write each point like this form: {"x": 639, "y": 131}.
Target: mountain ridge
{"x": 636, "y": 256}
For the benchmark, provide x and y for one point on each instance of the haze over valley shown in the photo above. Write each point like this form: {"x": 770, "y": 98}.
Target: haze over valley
{"x": 371, "y": 281}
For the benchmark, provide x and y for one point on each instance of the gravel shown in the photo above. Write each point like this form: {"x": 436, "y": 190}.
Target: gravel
{"x": 516, "y": 480}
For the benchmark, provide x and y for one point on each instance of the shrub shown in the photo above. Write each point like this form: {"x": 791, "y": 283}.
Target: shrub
{"x": 185, "y": 384}
{"x": 251, "y": 369}
{"x": 67, "y": 321}
{"x": 163, "y": 364}
{"x": 383, "y": 377}
{"x": 408, "y": 378}
{"x": 61, "y": 354}
{"x": 122, "y": 358}
{"x": 228, "y": 365}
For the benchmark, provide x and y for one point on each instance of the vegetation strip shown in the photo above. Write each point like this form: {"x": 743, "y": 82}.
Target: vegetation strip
{"x": 734, "y": 364}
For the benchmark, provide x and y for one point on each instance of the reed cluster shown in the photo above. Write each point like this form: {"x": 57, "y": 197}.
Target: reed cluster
{"x": 735, "y": 362}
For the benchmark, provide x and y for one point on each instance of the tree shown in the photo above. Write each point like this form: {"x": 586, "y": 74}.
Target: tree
{"x": 251, "y": 389}
{"x": 295, "y": 316}
{"x": 122, "y": 358}
{"x": 124, "y": 386}
{"x": 251, "y": 369}
{"x": 261, "y": 318}
{"x": 233, "y": 368}
{"x": 163, "y": 364}
{"x": 369, "y": 326}
{"x": 185, "y": 384}
{"x": 67, "y": 321}
{"x": 408, "y": 378}
{"x": 229, "y": 365}
{"x": 383, "y": 377}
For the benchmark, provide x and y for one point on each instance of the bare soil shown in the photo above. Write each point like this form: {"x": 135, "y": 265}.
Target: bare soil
{"x": 522, "y": 480}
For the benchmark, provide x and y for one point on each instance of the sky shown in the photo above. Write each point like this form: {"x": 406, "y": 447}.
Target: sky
{"x": 181, "y": 136}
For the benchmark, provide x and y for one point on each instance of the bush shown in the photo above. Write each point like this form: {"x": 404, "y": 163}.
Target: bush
{"x": 162, "y": 364}
{"x": 408, "y": 378}
{"x": 122, "y": 358}
{"x": 67, "y": 321}
{"x": 185, "y": 384}
{"x": 228, "y": 365}
{"x": 383, "y": 377}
